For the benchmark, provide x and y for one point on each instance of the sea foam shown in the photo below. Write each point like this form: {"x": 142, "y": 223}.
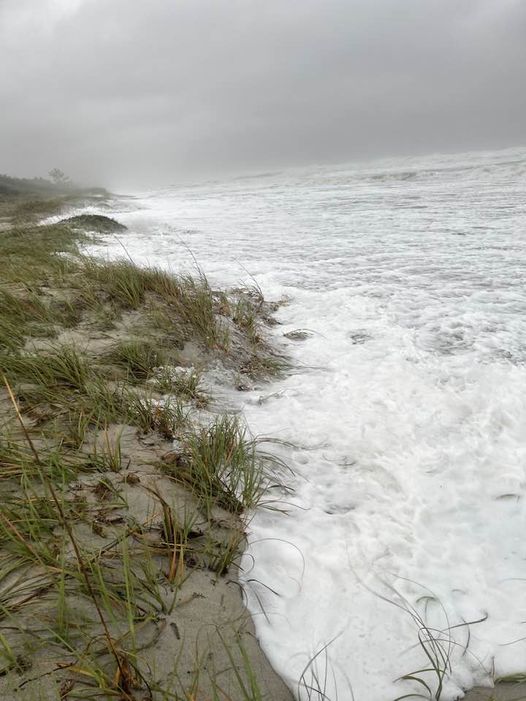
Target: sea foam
{"x": 404, "y": 422}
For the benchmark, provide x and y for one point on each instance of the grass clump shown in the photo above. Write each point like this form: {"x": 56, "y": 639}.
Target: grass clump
{"x": 181, "y": 300}
{"x": 28, "y": 314}
{"x": 167, "y": 417}
{"x": 187, "y": 300}
{"x": 63, "y": 367}
{"x": 245, "y": 316}
{"x": 121, "y": 282}
{"x": 138, "y": 358}
{"x": 183, "y": 382}
{"x": 223, "y": 466}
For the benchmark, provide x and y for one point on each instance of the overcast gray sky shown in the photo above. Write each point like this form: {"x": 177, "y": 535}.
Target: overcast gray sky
{"x": 143, "y": 92}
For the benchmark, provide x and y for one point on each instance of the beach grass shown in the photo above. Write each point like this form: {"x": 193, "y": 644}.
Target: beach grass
{"x": 125, "y": 498}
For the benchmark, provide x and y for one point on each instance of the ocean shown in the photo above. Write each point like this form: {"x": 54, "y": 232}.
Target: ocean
{"x": 397, "y": 562}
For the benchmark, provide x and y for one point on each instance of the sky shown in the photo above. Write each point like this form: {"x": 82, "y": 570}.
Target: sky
{"x": 139, "y": 93}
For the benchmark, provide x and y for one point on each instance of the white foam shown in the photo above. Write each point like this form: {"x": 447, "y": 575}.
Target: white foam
{"x": 407, "y": 417}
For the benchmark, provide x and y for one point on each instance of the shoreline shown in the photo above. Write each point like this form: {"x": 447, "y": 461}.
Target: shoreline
{"x": 140, "y": 466}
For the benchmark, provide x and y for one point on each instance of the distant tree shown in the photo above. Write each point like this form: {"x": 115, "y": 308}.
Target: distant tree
{"x": 59, "y": 177}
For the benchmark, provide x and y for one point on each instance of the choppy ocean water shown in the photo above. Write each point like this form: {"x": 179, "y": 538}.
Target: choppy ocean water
{"x": 403, "y": 546}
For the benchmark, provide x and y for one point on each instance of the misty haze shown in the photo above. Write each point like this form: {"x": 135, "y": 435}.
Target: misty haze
{"x": 134, "y": 94}
{"x": 262, "y": 350}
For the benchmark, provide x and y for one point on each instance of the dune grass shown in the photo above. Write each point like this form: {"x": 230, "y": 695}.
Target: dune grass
{"x": 223, "y": 466}
{"x": 138, "y": 358}
{"x": 89, "y": 576}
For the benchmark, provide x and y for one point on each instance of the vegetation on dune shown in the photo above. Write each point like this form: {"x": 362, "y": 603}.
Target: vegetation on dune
{"x": 25, "y": 200}
{"x": 25, "y": 186}
{"x": 119, "y": 485}
{"x": 95, "y": 222}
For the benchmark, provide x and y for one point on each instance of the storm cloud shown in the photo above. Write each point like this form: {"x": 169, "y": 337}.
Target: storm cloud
{"x": 133, "y": 93}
